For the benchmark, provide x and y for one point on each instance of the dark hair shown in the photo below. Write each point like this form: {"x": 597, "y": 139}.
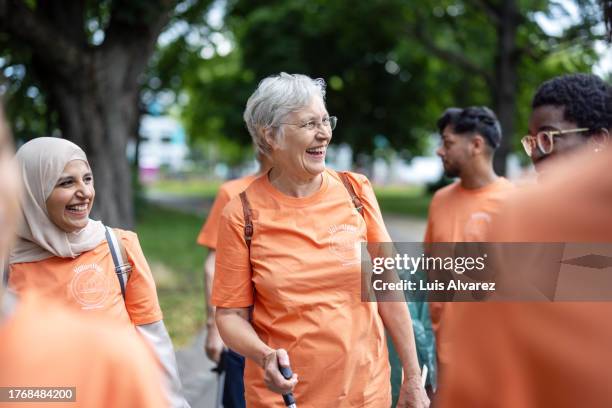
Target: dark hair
{"x": 586, "y": 99}
{"x": 449, "y": 117}
{"x": 475, "y": 119}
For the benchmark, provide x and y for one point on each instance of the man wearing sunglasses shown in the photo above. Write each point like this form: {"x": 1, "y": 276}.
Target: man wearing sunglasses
{"x": 569, "y": 114}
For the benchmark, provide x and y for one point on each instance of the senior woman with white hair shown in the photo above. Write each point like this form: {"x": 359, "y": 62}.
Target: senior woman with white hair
{"x": 288, "y": 254}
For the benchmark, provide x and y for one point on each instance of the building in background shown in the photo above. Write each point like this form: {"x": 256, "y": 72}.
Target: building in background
{"x": 163, "y": 145}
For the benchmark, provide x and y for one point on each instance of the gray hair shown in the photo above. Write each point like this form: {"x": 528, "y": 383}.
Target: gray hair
{"x": 275, "y": 97}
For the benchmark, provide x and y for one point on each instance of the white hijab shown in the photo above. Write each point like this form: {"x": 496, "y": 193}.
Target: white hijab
{"x": 41, "y": 161}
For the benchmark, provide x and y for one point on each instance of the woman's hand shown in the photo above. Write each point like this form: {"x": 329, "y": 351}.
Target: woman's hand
{"x": 272, "y": 376}
{"x": 412, "y": 394}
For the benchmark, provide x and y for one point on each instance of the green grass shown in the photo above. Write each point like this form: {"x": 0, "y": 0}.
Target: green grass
{"x": 168, "y": 239}
{"x": 187, "y": 188}
{"x": 402, "y": 200}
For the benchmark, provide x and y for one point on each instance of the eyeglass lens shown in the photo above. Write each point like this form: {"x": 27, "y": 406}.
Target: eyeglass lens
{"x": 545, "y": 142}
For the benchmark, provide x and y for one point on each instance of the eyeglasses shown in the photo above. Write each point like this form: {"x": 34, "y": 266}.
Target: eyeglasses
{"x": 544, "y": 140}
{"x": 328, "y": 122}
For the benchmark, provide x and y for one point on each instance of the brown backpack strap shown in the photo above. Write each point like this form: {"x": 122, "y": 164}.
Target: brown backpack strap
{"x": 248, "y": 220}
{"x": 248, "y": 234}
{"x": 351, "y": 190}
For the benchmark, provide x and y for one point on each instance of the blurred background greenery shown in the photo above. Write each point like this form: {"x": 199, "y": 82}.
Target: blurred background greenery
{"x": 167, "y": 238}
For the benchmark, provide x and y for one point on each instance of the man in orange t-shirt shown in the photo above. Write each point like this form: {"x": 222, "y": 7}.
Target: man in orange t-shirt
{"x": 547, "y": 354}
{"x": 233, "y": 394}
{"x": 462, "y": 211}
{"x": 529, "y": 354}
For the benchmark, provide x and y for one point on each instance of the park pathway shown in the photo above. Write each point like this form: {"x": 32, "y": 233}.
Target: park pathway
{"x": 199, "y": 382}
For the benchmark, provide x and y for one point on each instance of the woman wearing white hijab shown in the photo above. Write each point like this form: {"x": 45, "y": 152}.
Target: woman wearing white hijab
{"x": 62, "y": 253}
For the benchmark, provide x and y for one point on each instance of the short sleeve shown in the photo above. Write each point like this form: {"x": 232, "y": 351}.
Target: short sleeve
{"x": 232, "y": 285}
{"x": 377, "y": 232}
{"x": 140, "y": 295}
{"x": 208, "y": 234}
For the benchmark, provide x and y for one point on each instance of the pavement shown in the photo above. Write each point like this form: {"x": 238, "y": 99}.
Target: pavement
{"x": 199, "y": 382}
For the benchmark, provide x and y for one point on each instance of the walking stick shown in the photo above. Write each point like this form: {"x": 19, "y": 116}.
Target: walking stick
{"x": 288, "y": 398}
{"x": 424, "y": 376}
{"x": 220, "y": 369}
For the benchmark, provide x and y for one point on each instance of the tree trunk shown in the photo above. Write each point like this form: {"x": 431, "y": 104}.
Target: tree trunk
{"x": 94, "y": 89}
{"x": 505, "y": 93}
{"x": 98, "y": 112}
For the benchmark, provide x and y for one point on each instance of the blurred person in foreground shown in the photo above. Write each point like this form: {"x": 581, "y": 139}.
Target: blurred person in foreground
{"x": 43, "y": 344}
{"x": 232, "y": 362}
{"x": 547, "y": 354}
{"x": 288, "y": 274}
{"x": 66, "y": 256}
{"x": 462, "y": 211}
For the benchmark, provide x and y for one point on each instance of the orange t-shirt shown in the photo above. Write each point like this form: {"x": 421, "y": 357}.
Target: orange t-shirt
{"x": 305, "y": 286}
{"x": 45, "y": 345}
{"x": 457, "y": 214}
{"x": 88, "y": 282}
{"x": 208, "y": 234}
{"x": 541, "y": 354}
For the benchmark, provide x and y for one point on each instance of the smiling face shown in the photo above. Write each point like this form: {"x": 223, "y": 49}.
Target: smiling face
{"x": 300, "y": 152}
{"x": 548, "y": 117}
{"x": 70, "y": 202}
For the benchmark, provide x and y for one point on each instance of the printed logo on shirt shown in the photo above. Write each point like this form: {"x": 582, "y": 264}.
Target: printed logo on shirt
{"x": 477, "y": 227}
{"x": 344, "y": 243}
{"x": 90, "y": 286}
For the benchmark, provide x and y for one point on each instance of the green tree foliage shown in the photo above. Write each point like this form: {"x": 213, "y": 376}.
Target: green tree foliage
{"x": 391, "y": 66}
{"x": 495, "y": 53}
{"x": 352, "y": 45}
{"x": 75, "y": 69}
